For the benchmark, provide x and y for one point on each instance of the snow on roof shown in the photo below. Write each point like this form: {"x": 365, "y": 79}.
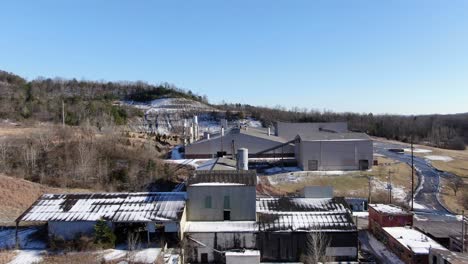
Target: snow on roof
{"x": 288, "y": 204}
{"x": 306, "y": 221}
{"x": 118, "y": 207}
{"x": 221, "y": 226}
{"x": 412, "y": 239}
{"x": 389, "y": 209}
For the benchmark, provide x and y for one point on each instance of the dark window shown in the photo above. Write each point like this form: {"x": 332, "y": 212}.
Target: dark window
{"x": 227, "y": 215}
{"x": 227, "y": 202}
{"x": 204, "y": 257}
{"x": 208, "y": 201}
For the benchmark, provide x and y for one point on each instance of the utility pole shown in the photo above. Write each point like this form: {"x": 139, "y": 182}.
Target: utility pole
{"x": 389, "y": 186}
{"x": 412, "y": 174}
{"x": 370, "y": 189}
{"x": 63, "y": 113}
{"x": 463, "y": 232}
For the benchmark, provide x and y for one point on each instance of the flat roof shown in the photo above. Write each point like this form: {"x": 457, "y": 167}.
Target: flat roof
{"x": 330, "y": 136}
{"x": 115, "y": 207}
{"x": 412, "y": 239}
{"x": 223, "y": 177}
{"x": 390, "y": 209}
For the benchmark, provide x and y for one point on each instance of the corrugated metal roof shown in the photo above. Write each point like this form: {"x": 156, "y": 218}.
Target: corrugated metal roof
{"x": 305, "y": 221}
{"x": 248, "y": 178}
{"x": 218, "y": 164}
{"x": 288, "y": 204}
{"x": 117, "y": 207}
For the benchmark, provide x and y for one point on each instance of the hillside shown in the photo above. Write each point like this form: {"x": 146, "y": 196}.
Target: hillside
{"x": 14, "y": 202}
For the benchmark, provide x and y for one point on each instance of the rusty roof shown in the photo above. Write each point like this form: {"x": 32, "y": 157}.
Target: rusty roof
{"x": 240, "y": 177}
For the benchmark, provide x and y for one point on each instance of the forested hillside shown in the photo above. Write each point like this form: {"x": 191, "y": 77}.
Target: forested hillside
{"x": 88, "y": 102}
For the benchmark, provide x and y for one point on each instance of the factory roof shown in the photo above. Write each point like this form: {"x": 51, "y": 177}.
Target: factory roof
{"x": 254, "y": 132}
{"x": 287, "y": 204}
{"x": 324, "y": 136}
{"x": 304, "y": 214}
{"x": 116, "y": 207}
{"x": 223, "y": 177}
{"x": 389, "y": 209}
{"x": 412, "y": 239}
{"x": 305, "y": 222}
{"x": 218, "y": 164}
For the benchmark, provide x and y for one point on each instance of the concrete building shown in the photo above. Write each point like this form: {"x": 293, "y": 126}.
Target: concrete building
{"x": 441, "y": 256}
{"x": 313, "y": 146}
{"x": 221, "y": 195}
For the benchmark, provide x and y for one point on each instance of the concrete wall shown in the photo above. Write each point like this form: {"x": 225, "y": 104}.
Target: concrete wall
{"x": 248, "y": 257}
{"x": 209, "y": 148}
{"x": 219, "y": 241}
{"x": 242, "y": 203}
{"x": 70, "y": 230}
{"x": 335, "y": 155}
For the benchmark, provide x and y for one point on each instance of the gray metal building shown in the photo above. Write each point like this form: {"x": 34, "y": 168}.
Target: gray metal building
{"x": 334, "y": 151}
{"x": 255, "y": 140}
{"x": 291, "y": 130}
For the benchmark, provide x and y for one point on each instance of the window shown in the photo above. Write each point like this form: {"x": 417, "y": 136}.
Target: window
{"x": 208, "y": 201}
{"x": 227, "y": 202}
{"x": 227, "y": 215}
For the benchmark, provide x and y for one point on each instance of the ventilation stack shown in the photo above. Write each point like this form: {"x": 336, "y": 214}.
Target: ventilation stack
{"x": 269, "y": 131}
{"x": 243, "y": 159}
{"x": 195, "y": 128}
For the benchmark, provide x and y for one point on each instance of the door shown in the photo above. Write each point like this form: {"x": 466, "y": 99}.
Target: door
{"x": 204, "y": 258}
{"x": 363, "y": 164}
{"x": 227, "y": 215}
{"x": 312, "y": 165}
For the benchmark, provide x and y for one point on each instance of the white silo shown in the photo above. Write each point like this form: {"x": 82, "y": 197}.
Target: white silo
{"x": 242, "y": 159}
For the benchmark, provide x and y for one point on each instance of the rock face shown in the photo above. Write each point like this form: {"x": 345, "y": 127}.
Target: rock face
{"x": 166, "y": 116}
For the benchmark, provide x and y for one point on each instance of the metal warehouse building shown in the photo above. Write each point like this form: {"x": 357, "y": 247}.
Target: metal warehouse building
{"x": 315, "y": 146}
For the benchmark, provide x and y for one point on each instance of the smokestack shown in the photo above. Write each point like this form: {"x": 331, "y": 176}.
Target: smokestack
{"x": 206, "y": 135}
{"x": 243, "y": 159}
{"x": 269, "y": 131}
{"x": 222, "y": 131}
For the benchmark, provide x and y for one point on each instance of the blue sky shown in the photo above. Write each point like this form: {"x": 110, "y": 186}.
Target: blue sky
{"x": 408, "y": 57}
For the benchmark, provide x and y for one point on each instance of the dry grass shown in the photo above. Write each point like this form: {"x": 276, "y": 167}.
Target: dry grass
{"x": 355, "y": 184}
{"x": 16, "y": 195}
{"x": 452, "y": 202}
{"x": 7, "y": 256}
{"x": 72, "y": 258}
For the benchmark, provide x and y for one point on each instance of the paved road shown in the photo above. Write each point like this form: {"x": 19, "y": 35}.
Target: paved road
{"x": 426, "y": 194}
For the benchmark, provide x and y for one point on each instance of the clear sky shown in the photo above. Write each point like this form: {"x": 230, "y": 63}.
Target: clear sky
{"x": 408, "y": 57}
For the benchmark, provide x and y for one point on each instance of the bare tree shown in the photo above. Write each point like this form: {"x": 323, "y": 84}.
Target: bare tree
{"x": 315, "y": 248}
{"x": 456, "y": 184}
{"x": 4, "y": 147}
{"x": 29, "y": 156}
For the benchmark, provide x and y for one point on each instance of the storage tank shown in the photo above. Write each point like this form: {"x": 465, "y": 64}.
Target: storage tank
{"x": 242, "y": 159}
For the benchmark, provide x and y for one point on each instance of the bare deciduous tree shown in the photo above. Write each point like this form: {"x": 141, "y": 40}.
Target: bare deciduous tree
{"x": 29, "y": 156}
{"x": 4, "y": 146}
{"x": 316, "y": 248}
{"x": 455, "y": 184}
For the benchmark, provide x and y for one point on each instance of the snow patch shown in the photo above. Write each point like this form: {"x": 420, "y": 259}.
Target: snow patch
{"x": 398, "y": 192}
{"x": 382, "y": 250}
{"x": 148, "y": 255}
{"x": 27, "y": 257}
{"x": 418, "y": 150}
{"x": 439, "y": 158}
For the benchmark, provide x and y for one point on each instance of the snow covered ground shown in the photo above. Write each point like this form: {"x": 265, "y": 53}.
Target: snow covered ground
{"x": 294, "y": 174}
{"x": 398, "y": 192}
{"x": 439, "y": 158}
{"x": 169, "y": 105}
{"x": 418, "y": 150}
{"x": 30, "y": 256}
{"x": 148, "y": 255}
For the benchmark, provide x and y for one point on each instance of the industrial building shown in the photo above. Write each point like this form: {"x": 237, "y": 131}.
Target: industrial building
{"x": 70, "y": 215}
{"x": 225, "y": 219}
{"x": 312, "y": 146}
